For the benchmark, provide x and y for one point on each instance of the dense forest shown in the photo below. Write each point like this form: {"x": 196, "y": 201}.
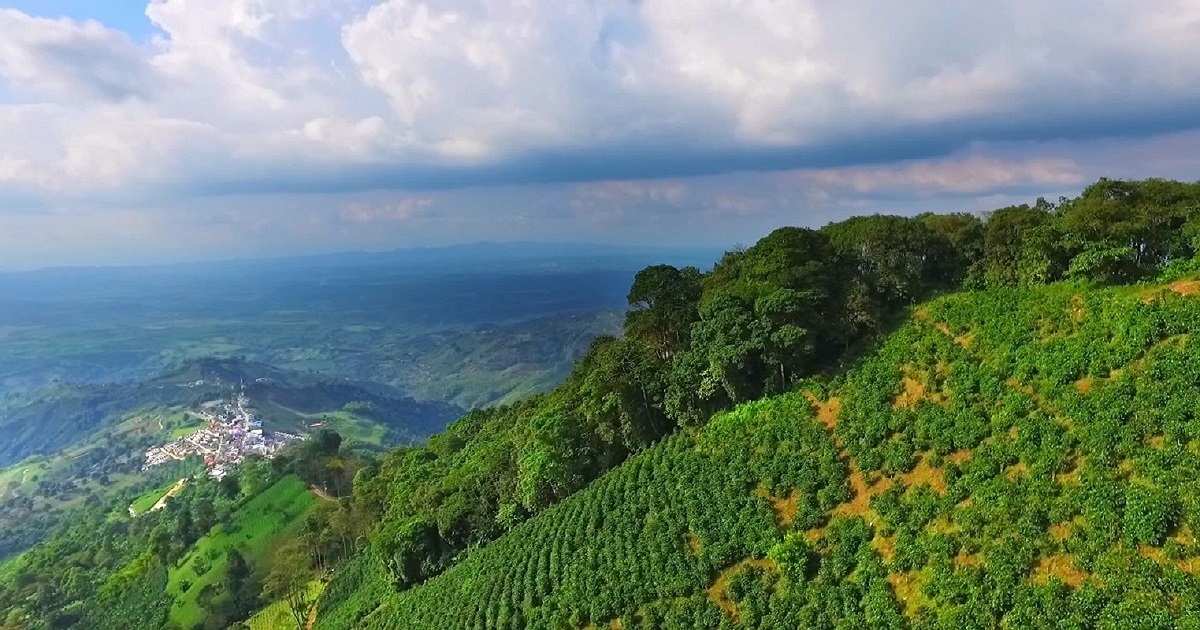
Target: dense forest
{"x": 930, "y": 421}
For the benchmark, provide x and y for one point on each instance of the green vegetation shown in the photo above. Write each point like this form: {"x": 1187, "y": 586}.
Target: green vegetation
{"x": 201, "y": 562}
{"x": 103, "y": 463}
{"x": 354, "y": 426}
{"x": 143, "y": 503}
{"x": 39, "y": 494}
{"x": 277, "y": 615}
{"x": 251, "y": 530}
{"x": 942, "y": 421}
{"x": 1022, "y": 458}
{"x": 796, "y": 304}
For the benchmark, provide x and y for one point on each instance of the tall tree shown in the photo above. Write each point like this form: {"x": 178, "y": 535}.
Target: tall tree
{"x": 288, "y": 580}
{"x": 662, "y": 304}
{"x": 899, "y": 257}
{"x": 242, "y": 594}
{"x": 1023, "y": 245}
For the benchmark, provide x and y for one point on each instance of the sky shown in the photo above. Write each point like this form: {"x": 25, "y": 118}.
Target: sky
{"x": 135, "y": 132}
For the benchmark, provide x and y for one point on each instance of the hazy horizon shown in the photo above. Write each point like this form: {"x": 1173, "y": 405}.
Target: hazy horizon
{"x": 705, "y": 251}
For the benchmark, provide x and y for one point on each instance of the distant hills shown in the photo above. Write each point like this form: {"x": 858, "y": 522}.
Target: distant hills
{"x": 56, "y": 418}
{"x": 350, "y": 315}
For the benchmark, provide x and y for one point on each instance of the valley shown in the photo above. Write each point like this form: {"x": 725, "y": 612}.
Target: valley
{"x": 230, "y": 434}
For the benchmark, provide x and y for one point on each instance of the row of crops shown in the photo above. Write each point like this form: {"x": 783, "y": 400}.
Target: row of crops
{"x": 1017, "y": 458}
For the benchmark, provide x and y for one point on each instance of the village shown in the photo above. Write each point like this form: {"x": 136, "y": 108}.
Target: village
{"x": 231, "y": 434}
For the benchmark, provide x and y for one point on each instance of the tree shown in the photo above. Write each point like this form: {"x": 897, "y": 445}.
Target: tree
{"x": 288, "y": 581}
{"x": 1143, "y": 219}
{"x": 1022, "y": 246}
{"x": 618, "y": 390}
{"x": 242, "y": 594}
{"x": 231, "y": 486}
{"x": 1103, "y": 263}
{"x": 899, "y": 257}
{"x": 964, "y": 234}
{"x": 663, "y": 303}
{"x": 412, "y": 551}
{"x": 784, "y": 320}
{"x": 728, "y": 341}
{"x": 327, "y": 442}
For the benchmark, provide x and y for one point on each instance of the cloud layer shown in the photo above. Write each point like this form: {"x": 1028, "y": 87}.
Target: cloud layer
{"x": 343, "y": 97}
{"x": 271, "y": 94}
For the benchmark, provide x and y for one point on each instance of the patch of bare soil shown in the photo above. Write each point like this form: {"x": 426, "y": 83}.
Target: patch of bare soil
{"x": 863, "y": 492}
{"x": 827, "y": 410}
{"x": 1016, "y": 471}
{"x": 959, "y": 456}
{"x": 914, "y": 387}
{"x": 885, "y": 546}
{"x": 785, "y": 508}
{"x": 1061, "y": 531}
{"x": 1188, "y": 287}
{"x": 924, "y": 473}
{"x": 964, "y": 559}
{"x": 1061, "y": 566}
{"x": 1071, "y": 477}
{"x": 1184, "y": 536}
{"x": 907, "y": 588}
{"x": 718, "y": 593}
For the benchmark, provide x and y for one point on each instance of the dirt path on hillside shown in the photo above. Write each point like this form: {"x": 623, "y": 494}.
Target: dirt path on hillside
{"x": 312, "y": 617}
{"x": 175, "y": 489}
{"x": 322, "y": 494}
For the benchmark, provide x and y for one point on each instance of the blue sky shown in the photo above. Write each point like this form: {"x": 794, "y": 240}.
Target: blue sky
{"x": 166, "y": 130}
{"x": 128, "y": 16}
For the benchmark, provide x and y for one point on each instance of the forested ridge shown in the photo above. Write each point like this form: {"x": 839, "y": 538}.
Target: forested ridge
{"x": 1021, "y": 458}
{"x": 798, "y": 437}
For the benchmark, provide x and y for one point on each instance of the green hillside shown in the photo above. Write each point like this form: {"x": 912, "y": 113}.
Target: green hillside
{"x": 202, "y": 562}
{"x": 252, "y": 530}
{"x": 103, "y": 462}
{"x": 277, "y": 616}
{"x": 1025, "y": 458}
{"x": 941, "y": 421}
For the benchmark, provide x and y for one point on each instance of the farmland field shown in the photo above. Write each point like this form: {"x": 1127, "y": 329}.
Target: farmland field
{"x": 1037, "y": 442}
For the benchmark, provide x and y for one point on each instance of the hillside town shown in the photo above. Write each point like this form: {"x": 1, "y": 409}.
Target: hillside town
{"x": 232, "y": 433}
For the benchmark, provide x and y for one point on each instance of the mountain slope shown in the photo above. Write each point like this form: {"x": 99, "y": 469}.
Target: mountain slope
{"x": 1019, "y": 457}
{"x": 90, "y": 440}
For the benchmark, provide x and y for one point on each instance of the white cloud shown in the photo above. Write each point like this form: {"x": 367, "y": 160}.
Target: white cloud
{"x": 239, "y": 89}
{"x": 63, "y": 59}
{"x": 359, "y": 95}
{"x": 407, "y": 209}
{"x": 973, "y": 174}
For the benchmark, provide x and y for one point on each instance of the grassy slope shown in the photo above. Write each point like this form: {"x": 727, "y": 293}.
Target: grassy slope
{"x": 989, "y": 463}
{"x": 254, "y": 529}
{"x": 351, "y": 427}
{"x": 22, "y": 477}
{"x": 277, "y": 616}
{"x": 146, "y": 501}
